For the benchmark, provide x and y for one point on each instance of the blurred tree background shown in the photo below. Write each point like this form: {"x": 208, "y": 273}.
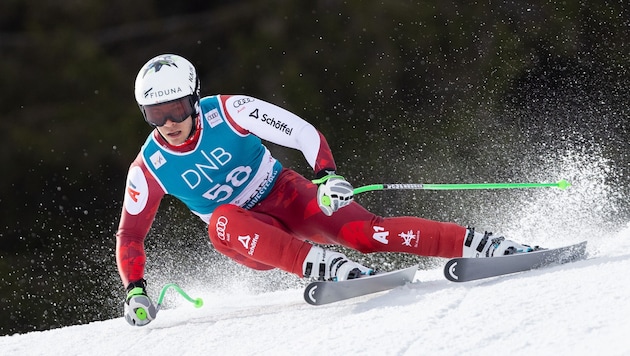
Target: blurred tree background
{"x": 405, "y": 91}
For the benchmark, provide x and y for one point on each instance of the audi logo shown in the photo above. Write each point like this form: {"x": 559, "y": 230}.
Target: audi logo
{"x": 243, "y": 101}
{"x": 222, "y": 222}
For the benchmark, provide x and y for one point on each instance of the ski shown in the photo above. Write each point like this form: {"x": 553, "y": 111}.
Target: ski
{"x": 325, "y": 292}
{"x": 466, "y": 269}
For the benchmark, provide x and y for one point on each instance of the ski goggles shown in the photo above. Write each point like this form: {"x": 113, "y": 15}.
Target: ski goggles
{"x": 176, "y": 110}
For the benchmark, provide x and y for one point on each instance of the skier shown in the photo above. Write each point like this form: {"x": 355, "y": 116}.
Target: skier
{"x": 207, "y": 152}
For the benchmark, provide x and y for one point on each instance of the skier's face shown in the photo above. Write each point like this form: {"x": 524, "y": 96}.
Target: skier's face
{"x": 176, "y": 133}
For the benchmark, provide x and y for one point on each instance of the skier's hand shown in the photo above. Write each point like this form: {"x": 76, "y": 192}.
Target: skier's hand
{"x": 333, "y": 193}
{"x": 139, "y": 309}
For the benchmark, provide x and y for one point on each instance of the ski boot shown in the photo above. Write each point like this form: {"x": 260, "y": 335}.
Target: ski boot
{"x": 326, "y": 265}
{"x": 477, "y": 244}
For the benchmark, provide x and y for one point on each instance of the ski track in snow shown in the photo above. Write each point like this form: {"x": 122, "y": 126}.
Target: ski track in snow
{"x": 575, "y": 309}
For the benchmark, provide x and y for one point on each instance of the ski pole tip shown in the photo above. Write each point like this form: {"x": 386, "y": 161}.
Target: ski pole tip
{"x": 198, "y": 303}
{"x": 563, "y": 184}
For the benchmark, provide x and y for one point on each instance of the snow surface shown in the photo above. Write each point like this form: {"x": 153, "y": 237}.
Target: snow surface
{"x": 575, "y": 309}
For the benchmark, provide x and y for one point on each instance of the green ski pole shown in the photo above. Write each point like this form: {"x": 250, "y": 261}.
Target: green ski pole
{"x": 562, "y": 184}
{"x": 197, "y": 302}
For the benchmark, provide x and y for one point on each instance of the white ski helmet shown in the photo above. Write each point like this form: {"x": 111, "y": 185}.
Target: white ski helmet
{"x": 167, "y": 78}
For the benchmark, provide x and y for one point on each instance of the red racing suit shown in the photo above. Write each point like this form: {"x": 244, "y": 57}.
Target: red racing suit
{"x": 267, "y": 216}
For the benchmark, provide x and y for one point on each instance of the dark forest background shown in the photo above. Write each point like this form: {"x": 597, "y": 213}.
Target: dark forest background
{"x": 405, "y": 91}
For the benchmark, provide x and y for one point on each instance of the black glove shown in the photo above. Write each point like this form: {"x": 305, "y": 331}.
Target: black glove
{"x": 139, "y": 309}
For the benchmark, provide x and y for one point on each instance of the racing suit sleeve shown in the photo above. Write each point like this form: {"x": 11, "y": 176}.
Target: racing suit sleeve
{"x": 142, "y": 199}
{"x": 282, "y": 127}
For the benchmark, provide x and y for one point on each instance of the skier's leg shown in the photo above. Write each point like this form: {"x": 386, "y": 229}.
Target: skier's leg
{"x": 255, "y": 240}
{"x": 413, "y": 235}
{"x": 261, "y": 242}
{"x": 424, "y": 237}
{"x": 293, "y": 201}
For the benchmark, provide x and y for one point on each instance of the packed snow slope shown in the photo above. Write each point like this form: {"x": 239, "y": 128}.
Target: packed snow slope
{"x": 580, "y": 308}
